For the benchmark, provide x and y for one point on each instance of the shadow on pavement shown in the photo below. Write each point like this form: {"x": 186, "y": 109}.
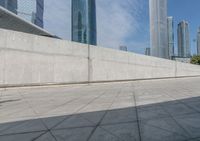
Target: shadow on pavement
{"x": 169, "y": 121}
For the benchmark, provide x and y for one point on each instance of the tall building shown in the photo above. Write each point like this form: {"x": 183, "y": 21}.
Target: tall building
{"x": 198, "y": 42}
{"x": 158, "y": 28}
{"x": 123, "y": 48}
{"x": 84, "y": 21}
{"x": 183, "y": 40}
{"x": 30, "y": 10}
{"x": 11, "y": 5}
{"x": 148, "y": 51}
{"x": 170, "y": 28}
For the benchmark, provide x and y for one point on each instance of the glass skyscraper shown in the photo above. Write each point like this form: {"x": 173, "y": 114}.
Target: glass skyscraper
{"x": 158, "y": 28}
{"x": 170, "y": 28}
{"x": 183, "y": 40}
{"x": 30, "y": 10}
{"x": 11, "y": 5}
{"x": 84, "y": 21}
{"x": 198, "y": 42}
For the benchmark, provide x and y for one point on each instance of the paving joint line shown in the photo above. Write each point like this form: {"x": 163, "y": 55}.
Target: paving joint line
{"x": 68, "y": 128}
{"x": 98, "y": 124}
{"x": 36, "y": 114}
{"x": 68, "y": 102}
{"x": 44, "y": 124}
{"x": 39, "y": 136}
{"x": 172, "y": 117}
{"x": 136, "y": 112}
{"x": 101, "y": 94}
{"x": 187, "y": 105}
{"x": 166, "y": 130}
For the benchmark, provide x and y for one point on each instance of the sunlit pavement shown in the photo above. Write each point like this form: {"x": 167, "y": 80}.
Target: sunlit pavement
{"x": 153, "y": 110}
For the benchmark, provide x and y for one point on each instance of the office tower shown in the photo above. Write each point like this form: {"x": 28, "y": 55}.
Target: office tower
{"x": 84, "y": 21}
{"x": 198, "y": 42}
{"x": 183, "y": 40}
{"x": 11, "y": 5}
{"x": 39, "y": 13}
{"x": 123, "y": 48}
{"x": 170, "y": 28}
{"x": 148, "y": 51}
{"x": 158, "y": 28}
{"x": 30, "y": 10}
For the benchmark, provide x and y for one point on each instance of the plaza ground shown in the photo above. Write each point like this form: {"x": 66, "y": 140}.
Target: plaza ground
{"x": 151, "y": 110}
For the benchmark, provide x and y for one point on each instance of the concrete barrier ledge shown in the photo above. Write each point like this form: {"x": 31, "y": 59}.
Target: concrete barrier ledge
{"x": 87, "y": 83}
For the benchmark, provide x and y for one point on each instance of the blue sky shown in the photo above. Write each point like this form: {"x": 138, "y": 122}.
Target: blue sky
{"x": 122, "y": 22}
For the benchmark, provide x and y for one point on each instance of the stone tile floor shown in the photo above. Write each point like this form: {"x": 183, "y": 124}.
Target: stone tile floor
{"x": 153, "y": 110}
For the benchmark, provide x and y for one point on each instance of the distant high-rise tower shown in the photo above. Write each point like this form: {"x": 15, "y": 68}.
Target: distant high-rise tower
{"x": 84, "y": 21}
{"x": 198, "y": 42}
{"x": 170, "y": 28}
{"x": 158, "y": 28}
{"x": 123, "y": 48}
{"x": 39, "y": 13}
{"x": 30, "y": 10}
{"x": 183, "y": 40}
{"x": 11, "y": 5}
{"x": 148, "y": 51}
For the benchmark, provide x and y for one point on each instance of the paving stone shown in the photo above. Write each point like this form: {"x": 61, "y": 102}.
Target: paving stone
{"x": 191, "y": 123}
{"x": 125, "y": 132}
{"x": 120, "y": 115}
{"x": 102, "y": 135}
{"x": 21, "y": 137}
{"x": 25, "y": 126}
{"x": 76, "y": 134}
{"x": 46, "y": 137}
{"x": 165, "y": 125}
{"x": 167, "y": 110}
{"x": 151, "y": 112}
{"x": 150, "y": 133}
{"x": 178, "y": 109}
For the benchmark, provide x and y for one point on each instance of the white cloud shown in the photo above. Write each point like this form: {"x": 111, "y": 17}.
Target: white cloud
{"x": 117, "y": 21}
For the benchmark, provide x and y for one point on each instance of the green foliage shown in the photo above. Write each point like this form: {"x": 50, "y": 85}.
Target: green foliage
{"x": 196, "y": 60}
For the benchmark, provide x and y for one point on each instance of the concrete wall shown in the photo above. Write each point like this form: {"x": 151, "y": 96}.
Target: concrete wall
{"x": 30, "y": 59}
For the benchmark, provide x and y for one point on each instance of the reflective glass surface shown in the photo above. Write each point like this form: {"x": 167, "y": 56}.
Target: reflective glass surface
{"x": 30, "y": 10}
{"x": 84, "y": 21}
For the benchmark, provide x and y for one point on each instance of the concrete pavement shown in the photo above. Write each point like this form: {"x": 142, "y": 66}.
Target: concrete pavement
{"x": 153, "y": 110}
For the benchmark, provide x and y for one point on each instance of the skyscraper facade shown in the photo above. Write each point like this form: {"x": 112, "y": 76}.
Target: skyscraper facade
{"x": 30, "y": 10}
{"x": 183, "y": 40}
{"x": 170, "y": 28}
{"x": 198, "y": 42}
{"x": 84, "y": 21}
{"x": 158, "y": 28}
{"x": 39, "y": 13}
{"x": 11, "y": 5}
{"x": 148, "y": 51}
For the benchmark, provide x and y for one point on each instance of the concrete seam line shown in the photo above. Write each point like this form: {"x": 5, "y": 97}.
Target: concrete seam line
{"x": 40, "y": 53}
{"x": 176, "y": 68}
{"x": 88, "y": 63}
{"x": 4, "y": 67}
